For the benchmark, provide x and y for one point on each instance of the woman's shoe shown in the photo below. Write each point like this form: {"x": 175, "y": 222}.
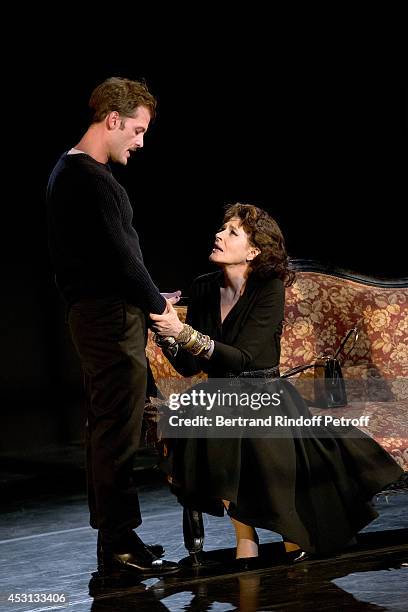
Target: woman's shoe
{"x": 297, "y": 556}
{"x": 243, "y": 564}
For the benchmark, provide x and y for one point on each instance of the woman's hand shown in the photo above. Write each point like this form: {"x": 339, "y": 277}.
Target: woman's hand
{"x": 167, "y": 324}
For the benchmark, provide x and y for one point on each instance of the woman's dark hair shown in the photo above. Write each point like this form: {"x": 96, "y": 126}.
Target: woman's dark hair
{"x": 263, "y": 233}
{"x": 121, "y": 95}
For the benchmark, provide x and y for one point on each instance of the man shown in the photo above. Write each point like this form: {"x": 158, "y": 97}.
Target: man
{"x": 108, "y": 291}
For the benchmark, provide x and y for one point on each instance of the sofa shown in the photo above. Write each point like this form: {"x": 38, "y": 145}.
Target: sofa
{"x": 321, "y": 307}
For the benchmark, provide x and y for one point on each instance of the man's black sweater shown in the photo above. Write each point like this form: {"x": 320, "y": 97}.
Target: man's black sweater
{"x": 94, "y": 247}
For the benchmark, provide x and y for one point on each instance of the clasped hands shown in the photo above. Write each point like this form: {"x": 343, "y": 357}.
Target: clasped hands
{"x": 168, "y": 323}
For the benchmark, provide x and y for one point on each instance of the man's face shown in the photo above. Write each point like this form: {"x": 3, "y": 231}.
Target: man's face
{"x": 128, "y": 135}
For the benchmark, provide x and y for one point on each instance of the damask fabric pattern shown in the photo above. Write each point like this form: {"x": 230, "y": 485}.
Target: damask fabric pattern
{"x": 320, "y": 309}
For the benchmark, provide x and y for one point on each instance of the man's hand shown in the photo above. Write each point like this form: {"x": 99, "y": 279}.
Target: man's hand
{"x": 168, "y": 323}
{"x": 173, "y": 298}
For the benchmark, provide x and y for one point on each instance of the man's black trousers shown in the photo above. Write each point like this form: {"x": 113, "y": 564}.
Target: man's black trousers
{"x": 110, "y": 337}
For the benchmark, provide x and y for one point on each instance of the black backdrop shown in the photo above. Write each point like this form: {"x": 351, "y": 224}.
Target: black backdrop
{"x": 318, "y": 140}
{"x": 323, "y": 147}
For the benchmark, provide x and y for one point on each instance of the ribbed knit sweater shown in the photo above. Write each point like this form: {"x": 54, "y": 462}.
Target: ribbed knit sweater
{"x": 94, "y": 247}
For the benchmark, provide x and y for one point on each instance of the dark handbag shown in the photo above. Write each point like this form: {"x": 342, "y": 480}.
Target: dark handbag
{"x": 329, "y": 385}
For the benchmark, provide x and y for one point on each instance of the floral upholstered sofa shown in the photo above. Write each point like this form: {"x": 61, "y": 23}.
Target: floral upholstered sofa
{"x": 321, "y": 307}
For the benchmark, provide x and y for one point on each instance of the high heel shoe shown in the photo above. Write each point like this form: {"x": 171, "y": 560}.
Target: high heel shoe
{"x": 297, "y": 556}
{"x": 246, "y": 563}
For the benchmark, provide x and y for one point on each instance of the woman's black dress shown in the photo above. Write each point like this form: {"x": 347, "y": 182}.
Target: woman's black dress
{"x": 314, "y": 491}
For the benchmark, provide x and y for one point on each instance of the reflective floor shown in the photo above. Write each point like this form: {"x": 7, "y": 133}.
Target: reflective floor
{"x": 47, "y": 549}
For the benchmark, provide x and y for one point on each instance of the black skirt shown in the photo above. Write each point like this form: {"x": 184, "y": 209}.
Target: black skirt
{"x": 312, "y": 489}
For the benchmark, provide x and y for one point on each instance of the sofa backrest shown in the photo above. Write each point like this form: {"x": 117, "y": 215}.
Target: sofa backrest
{"x": 321, "y": 309}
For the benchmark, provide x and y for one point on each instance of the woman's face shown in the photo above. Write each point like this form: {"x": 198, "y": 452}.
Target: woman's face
{"x": 231, "y": 245}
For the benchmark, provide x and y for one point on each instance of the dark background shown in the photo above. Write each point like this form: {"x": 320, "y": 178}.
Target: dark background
{"x": 317, "y": 135}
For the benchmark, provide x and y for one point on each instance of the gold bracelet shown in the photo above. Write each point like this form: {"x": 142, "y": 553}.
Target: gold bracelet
{"x": 191, "y": 341}
{"x": 202, "y": 344}
{"x": 206, "y": 351}
{"x": 198, "y": 346}
{"x": 185, "y": 334}
{"x": 207, "y": 344}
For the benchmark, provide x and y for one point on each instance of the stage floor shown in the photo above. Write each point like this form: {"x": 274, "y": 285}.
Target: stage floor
{"x": 46, "y": 547}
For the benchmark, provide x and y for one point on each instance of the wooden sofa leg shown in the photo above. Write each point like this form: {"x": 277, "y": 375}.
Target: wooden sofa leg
{"x": 193, "y": 531}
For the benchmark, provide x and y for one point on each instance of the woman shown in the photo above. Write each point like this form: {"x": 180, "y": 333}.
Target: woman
{"x": 314, "y": 491}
